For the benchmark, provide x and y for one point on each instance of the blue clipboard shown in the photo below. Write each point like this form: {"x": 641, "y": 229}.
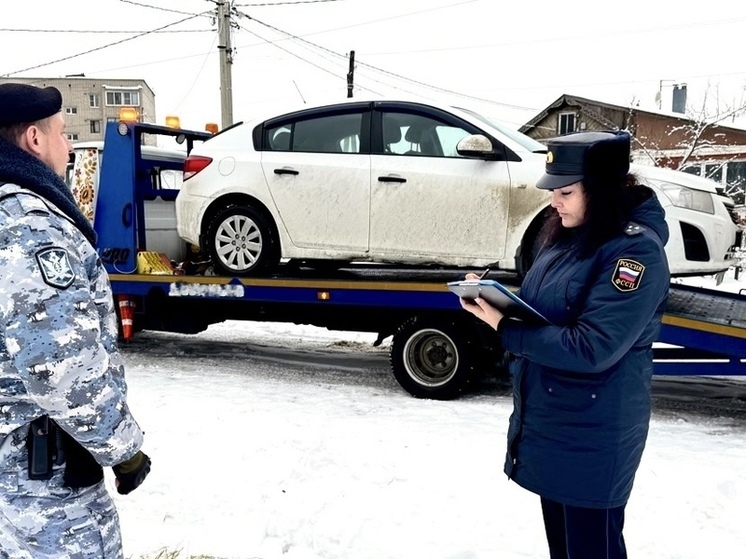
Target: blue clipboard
{"x": 499, "y": 297}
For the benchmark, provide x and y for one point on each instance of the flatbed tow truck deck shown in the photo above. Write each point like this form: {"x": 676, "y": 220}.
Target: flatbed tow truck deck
{"x": 703, "y": 332}
{"x": 709, "y": 328}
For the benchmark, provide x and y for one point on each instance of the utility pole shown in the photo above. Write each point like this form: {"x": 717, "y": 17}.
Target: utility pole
{"x": 350, "y": 74}
{"x": 226, "y": 62}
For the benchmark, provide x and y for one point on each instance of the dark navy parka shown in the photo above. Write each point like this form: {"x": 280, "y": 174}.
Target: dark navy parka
{"x": 581, "y": 387}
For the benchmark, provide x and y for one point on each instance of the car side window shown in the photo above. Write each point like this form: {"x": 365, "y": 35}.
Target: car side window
{"x": 338, "y": 133}
{"x": 418, "y": 135}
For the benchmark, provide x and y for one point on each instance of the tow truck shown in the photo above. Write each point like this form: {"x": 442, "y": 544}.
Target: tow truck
{"x": 128, "y": 189}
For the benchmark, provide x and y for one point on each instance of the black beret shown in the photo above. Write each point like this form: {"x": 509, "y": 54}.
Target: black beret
{"x": 20, "y": 103}
{"x": 573, "y": 157}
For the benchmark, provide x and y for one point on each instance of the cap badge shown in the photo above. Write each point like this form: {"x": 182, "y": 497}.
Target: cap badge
{"x": 550, "y": 157}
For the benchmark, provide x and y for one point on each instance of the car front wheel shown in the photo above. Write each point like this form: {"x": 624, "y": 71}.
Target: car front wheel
{"x": 241, "y": 242}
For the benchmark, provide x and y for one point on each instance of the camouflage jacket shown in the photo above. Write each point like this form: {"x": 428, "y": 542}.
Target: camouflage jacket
{"x": 58, "y": 347}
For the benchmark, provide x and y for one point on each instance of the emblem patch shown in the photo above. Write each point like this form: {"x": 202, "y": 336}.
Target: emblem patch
{"x": 55, "y": 267}
{"x": 627, "y": 275}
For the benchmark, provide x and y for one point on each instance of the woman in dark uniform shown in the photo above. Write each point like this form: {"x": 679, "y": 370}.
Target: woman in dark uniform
{"x": 581, "y": 386}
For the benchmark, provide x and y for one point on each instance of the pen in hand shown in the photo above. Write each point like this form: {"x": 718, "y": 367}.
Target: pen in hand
{"x": 471, "y": 276}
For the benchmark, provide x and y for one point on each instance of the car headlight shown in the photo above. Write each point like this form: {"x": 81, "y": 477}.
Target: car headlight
{"x": 684, "y": 197}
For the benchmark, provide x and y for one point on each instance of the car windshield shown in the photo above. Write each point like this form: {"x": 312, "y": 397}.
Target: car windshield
{"x": 529, "y": 143}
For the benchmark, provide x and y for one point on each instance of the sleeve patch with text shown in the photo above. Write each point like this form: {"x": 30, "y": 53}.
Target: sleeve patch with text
{"x": 627, "y": 274}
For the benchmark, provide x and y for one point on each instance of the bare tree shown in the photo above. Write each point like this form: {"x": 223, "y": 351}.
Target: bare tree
{"x": 698, "y": 134}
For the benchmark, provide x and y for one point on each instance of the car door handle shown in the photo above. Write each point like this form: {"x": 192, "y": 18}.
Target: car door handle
{"x": 285, "y": 171}
{"x": 392, "y": 179}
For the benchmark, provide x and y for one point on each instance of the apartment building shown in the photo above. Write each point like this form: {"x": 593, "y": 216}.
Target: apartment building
{"x": 88, "y": 104}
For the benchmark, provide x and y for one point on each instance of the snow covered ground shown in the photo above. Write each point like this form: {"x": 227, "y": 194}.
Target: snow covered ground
{"x": 259, "y": 457}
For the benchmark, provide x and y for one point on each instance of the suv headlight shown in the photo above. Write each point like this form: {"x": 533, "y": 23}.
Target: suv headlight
{"x": 684, "y": 197}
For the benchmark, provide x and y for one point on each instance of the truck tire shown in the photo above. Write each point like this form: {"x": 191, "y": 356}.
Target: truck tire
{"x": 431, "y": 358}
{"x": 240, "y": 241}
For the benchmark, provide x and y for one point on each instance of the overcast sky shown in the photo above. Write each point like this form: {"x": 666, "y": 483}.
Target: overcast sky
{"x": 519, "y": 56}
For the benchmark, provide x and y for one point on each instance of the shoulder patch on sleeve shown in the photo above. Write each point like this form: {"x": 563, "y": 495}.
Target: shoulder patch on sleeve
{"x": 627, "y": 274}
{"x": 633, "y": 228}
{"x": 55, "y": 267}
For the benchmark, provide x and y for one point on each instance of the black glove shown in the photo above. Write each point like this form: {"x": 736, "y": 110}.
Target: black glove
{"x": 132, "y": 473}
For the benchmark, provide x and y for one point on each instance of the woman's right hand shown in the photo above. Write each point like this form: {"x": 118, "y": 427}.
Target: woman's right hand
{"x": 481, "y": 308}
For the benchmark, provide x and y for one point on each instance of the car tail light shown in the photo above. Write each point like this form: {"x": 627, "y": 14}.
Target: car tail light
{"x": 194, "y": 164}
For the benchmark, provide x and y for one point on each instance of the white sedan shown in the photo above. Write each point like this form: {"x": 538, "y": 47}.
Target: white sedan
{"x": 400, "y": 182}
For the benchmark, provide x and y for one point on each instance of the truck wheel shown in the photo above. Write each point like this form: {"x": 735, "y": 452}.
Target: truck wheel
{"x": 241, "y": 242}
{"x": 430, "y": 359}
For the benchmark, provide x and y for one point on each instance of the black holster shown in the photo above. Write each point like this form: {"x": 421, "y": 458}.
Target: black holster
{"x": 81, "y": 468}
{"x": 41, "y": 444}
{"x": 48, "y": 444}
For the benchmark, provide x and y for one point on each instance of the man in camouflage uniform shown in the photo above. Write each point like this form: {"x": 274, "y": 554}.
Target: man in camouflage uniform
{"x": 59, "y": 363}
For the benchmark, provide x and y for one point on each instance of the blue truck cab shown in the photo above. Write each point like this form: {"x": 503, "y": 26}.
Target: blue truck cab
{"x": 138, "y": 214}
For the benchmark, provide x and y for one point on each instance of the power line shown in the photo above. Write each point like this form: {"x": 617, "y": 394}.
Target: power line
{"x": 334, "y": 58}
{"x": 103, "y": 32}
{"x": 357, "y": 86}
{"x": 508, "y": 43}
{"x": 192, "y": 16}
{"x": 323, "y": 51}
{"x": 151, "y": 62}
{"x": 476, "y": 98}
{"x": 196, "y": 77}
{"x": 156, "y": 8}
{"x": 399, "y": 16}
{"x": 393, "y": 74}
{"x": 585, "y": 37}
{"x": 274, "y": 44}
{"x": 282, "y": 3}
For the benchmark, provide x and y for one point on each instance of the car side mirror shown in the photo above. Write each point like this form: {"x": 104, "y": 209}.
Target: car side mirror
{"x": 475, "y": 145}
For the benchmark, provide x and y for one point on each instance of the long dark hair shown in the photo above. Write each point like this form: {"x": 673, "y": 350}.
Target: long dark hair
{"x": 609, "y": 204}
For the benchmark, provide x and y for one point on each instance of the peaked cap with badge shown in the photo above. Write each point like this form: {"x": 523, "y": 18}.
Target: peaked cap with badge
{"x": 585, "y": 155}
